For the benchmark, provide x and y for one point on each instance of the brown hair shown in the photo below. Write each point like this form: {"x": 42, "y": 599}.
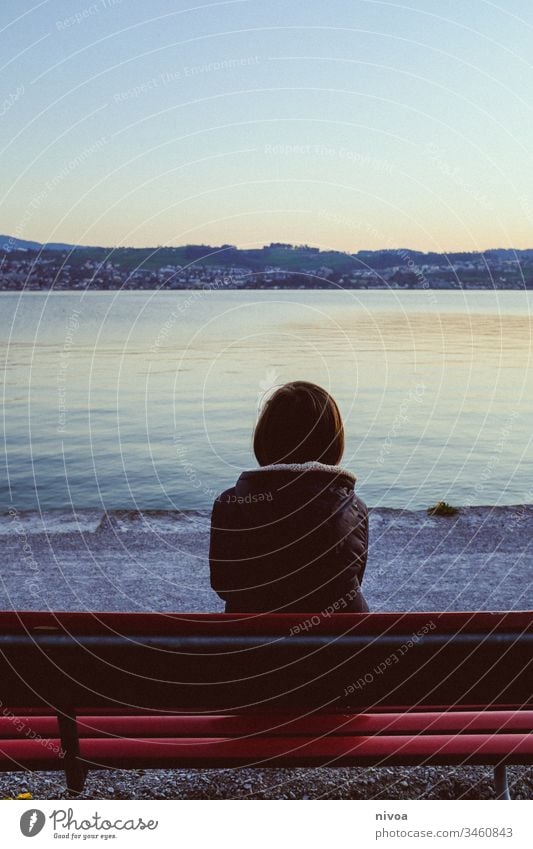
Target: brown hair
{"x": 300, "y": 422}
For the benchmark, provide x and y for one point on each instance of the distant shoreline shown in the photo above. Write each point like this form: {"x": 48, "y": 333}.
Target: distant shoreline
{"x": 489, "y": 287}
{"x": 277, "y": 266}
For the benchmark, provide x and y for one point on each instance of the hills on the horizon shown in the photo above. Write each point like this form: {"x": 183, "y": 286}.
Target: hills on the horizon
{"x": 11, "y": 243}
{"x": 277, "y": 265}
{"x": 205, "y": 254}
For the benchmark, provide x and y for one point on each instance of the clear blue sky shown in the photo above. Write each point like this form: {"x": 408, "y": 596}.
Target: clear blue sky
{"x": 349, "y": 124}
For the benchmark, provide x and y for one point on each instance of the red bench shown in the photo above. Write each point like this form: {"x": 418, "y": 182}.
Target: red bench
{"x": 81, "y": 691}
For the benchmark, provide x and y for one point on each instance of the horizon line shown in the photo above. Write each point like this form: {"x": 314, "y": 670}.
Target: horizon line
{"x": 228, "y": 246}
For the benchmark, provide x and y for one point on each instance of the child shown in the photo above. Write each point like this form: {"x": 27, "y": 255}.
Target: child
{"x": 292, "y": 536}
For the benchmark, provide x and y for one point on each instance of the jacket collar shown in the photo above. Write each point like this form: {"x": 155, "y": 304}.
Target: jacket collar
{"x": 311, "y": 466}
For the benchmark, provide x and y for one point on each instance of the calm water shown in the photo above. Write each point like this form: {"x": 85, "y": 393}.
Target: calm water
{"x": 147, "y": 399}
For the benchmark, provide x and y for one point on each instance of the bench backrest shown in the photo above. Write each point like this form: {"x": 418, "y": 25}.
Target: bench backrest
{"x": 221, "y": 662}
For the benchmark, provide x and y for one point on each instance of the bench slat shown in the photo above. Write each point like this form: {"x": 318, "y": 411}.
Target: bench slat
{"x": 496, "y": 721}
{"x": 333, "y": 751}
{"x": 101, "y": 622}
{"x": 284, "y": 751}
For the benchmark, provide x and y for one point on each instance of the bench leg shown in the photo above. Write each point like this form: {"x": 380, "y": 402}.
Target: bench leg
{"x": 75, "y": 771}
{"x": 500, "y": 782}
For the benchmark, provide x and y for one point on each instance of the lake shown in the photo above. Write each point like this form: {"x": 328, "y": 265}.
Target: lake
{"x": 148, "y": 399}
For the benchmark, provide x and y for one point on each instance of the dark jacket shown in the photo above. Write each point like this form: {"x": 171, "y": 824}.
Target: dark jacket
{"x": 290, "y": 538}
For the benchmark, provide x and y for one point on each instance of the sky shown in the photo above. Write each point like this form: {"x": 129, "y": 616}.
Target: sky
{"x": 347, "y": 125}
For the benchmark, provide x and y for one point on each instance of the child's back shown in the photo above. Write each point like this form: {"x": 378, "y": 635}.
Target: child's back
{"x": 292, "y": 535}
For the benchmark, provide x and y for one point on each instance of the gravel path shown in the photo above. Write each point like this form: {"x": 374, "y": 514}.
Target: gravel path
{"x": 323, "y": 783}
{"x": 481, "y": 559}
